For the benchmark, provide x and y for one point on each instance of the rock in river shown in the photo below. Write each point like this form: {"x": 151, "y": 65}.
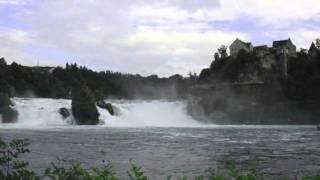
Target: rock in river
{"x": 64, "y": 112}
{"x": 106, "y": 106}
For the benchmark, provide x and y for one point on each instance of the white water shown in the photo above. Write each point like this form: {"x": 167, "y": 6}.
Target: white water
{"x": 40, "y": 112}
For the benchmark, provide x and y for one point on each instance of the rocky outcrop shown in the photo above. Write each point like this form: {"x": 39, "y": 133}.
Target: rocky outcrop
{"x": 8, "y": 114}
{"x": 106, "y": 106}
{"x": 65, "y": 113}
{"x": 250, "y": 104}
{"x": 84, "y": 109}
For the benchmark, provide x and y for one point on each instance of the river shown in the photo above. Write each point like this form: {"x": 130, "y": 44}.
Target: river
{"x": 166, "y": 150}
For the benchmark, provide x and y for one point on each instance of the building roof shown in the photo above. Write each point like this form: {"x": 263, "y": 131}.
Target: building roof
{"x": 263, "y": 47}
{"x": 313, "y": 47}
{"x": 282, "y": 43}
{"x": 247, "y": 44}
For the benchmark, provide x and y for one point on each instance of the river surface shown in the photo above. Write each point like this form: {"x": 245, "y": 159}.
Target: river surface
{"x": 161, "y": 151}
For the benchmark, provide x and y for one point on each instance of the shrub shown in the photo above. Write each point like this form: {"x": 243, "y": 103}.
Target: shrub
{"x": 11, "y": 167}
{"x": 84, "y": 109}
{"x": 77, "y": 171}
{"x": 136, "y": 173}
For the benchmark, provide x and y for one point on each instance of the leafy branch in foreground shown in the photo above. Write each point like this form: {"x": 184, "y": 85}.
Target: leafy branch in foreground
{"x": 136, "y": 173}
{"x": 12, "y": 168}
{"x": 77, "y": 171}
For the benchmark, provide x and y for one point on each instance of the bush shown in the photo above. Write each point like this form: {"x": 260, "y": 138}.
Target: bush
{"x": 11, "y": 167}
{"x": 84, "y": 109}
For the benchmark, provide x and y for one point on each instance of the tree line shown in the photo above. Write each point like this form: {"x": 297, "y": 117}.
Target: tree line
{"x": 60, "y": 82}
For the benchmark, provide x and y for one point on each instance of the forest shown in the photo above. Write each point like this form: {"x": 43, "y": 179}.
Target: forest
{"x": 60, "y": 82}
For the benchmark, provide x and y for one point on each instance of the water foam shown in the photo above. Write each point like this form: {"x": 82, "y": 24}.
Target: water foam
{"x": 149, "y": 113}
{"x": 41, "y": 112}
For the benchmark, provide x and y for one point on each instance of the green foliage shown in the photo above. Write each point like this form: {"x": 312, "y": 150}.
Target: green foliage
{"x": 84, "y": 107}
{"x": 205, "y": 75}
{"x": 98, "y": 95}
{"x": 316, "y": 177}
{"x": 136, "y": 173}
{"x": 3, "y": 62}
{"x": 318, "y": 43}
{"x": 6, "y": 88}
{"x": 57, "y": 82}
{"x": 11, "y": 167}
{"x": 223, "y": 51}
{"x": 77, "y": 171}
{"x": 105, "y": 173}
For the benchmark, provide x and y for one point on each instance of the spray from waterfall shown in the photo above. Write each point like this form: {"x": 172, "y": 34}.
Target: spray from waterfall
{"x": 41, "y": 112}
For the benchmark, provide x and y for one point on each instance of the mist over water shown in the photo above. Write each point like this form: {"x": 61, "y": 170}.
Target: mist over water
{"x": 41, "y": 112}
{"x": 150, "y": 114}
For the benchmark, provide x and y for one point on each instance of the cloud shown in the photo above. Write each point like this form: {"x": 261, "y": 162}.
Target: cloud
{"x": 301, "y": 37}
{"x": 148, "y": 36}
{"x": 10, "y": 2}
{"x": 13, "y": 43}
{"x": 115, "y": 35}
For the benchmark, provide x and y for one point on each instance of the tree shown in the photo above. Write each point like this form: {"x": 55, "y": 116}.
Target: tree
{"x": 318, "y": 43}
{"x": 216, "y": 56}
{"x": 98, "y": 95}
{"x": 193, "y": 78}
{"x": 6, "y": 88}
{"x": 223, "y": 51}
{"x": 303, "y": 51}
{"x": 204, "y": 74}
{"x": 84, "y": 107}
{"x": 3, "y": 62}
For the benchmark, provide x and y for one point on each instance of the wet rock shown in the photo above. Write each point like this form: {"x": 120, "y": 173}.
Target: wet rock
{"x": 84, "y": 108}
{"x": 106, "y": 106}
{"x": 8, "y": 115}
{"x": 65, "y": 113}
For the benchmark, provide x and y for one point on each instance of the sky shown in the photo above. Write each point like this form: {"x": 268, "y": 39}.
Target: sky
{"x": 147, "y": 36}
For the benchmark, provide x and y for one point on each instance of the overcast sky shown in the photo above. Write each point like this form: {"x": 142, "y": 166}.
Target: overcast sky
{"x": 161, "y": 37}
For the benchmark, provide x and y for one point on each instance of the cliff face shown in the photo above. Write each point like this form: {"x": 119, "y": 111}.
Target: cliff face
{"x": 250, "y": 104}
{"x": 253, "y": 88}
